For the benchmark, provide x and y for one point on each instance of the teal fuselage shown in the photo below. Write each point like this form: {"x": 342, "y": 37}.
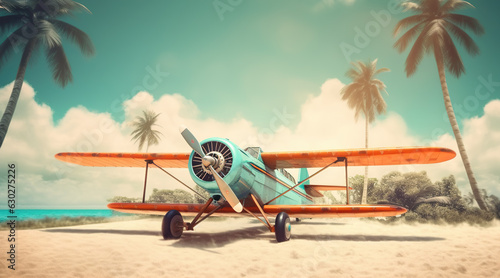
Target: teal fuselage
{"x": 249, "y": 175}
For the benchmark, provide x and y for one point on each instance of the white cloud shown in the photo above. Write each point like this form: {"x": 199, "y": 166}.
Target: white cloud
{"x": 482, "y": 142}
{"x": 325, "y": 123}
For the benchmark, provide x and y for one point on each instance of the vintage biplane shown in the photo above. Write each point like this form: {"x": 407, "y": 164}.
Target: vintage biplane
{"x": 253, "y": 182}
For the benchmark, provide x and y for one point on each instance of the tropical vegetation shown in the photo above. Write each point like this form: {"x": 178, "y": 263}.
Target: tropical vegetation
{"x": 438, "y": 202}
{"x": 176, "y": 196}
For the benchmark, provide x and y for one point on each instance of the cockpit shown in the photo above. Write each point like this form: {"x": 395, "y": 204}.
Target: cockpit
{"x": 256, "y": 151}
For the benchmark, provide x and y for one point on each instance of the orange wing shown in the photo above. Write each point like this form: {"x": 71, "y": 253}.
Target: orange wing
{"x": 358, "y": 157}
{"x": 306, "y": 211}
{"x": 167, "y": 160}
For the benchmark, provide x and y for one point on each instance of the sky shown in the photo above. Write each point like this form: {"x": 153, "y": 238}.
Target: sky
{"x": 265, "y": 73}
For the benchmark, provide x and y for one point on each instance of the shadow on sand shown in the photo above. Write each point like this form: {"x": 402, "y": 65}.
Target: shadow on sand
{"x": 103, "y": 231}
{"x": 215, "y": 240}
{"x": 204, "y": 240}
{"x": 301, "y": 222}
{"x": 193, "y": 239}
{"x": 367, "y": 238}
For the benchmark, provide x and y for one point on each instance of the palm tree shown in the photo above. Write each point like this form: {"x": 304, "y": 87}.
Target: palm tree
{"x": 36, "y": 25}
{"x": 144, "y": 132}
{"x": 363, "y": 95}
{"x": 434, "y": 25}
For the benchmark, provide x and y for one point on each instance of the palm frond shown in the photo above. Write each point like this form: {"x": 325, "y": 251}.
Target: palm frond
{"x": 349, "y": 90}
{"x": 10, "y": 21}
{"x": 416, "y": 52}
{"x": 410, "y": 6}
{"x": 380, "y": 85}
{"x": 380, "y": 71}
{"x": 83, "y": 7}
{"x": 13, "y": 6}
{"x": 352, "y": 74}
{"x": 64, "y": 7}
{"x": 373, "y": 68}
{"x": 13, "y": 43}
{"x": 355, "y": 65}
{"x": 466, "y": 22}
{"x": 154, "y": 138}
{"x": 142, "y": 140}
{"x": 463, "y": 38}
{"x": 408, "y": 21}
{"x": 61, "y": 70}
{"x": 368, "y": 110}
{"x": 48, "y": 34}
{"x": 453, "y": 5}
{"x": 407, "y": 37}
{"x": 452, "y": 58}
{"x": 445, "y": 200}
{"x": 76, "y": 35}
{"x": 381, "y": 105}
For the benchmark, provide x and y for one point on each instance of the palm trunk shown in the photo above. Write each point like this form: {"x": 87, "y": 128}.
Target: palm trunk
{"x": 365, "y": 184}
{"x": 456, "y": 132}
{"x": 16, "y": 91}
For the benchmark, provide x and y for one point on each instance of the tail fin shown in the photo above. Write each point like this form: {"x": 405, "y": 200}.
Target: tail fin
{"x": 303, "y": 174}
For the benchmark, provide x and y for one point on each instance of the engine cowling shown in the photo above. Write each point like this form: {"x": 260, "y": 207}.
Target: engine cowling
{"x": 228, "y": 165}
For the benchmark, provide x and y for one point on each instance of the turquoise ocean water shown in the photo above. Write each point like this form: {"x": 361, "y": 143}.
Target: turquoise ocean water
{"x": 24, "y": 214}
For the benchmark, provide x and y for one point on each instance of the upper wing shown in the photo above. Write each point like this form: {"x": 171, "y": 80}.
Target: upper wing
{"x": 166, "y": 160}
{"x": 358, "y": 157}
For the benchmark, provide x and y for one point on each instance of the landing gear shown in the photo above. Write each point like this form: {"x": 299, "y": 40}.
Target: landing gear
{"x": 172, "y": 225}
{"x": 282, "y": 227}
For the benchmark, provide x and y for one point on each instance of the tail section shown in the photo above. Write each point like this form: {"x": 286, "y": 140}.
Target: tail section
{"x": 303, "y": 174}
{"x": 313, "y": 190}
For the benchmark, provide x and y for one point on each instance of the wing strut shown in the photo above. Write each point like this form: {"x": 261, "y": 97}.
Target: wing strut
{"x": 267, "y": 223}
{"x": 339, "y": 159}
{"x": 146, "y": 180}
{"x": 346, "y": 182}
{"x": 190, "y": 226}
{"x": 152, "y": 162}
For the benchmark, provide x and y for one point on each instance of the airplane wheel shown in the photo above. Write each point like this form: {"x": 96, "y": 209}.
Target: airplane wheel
{"x": 172, "y": 225}
{"x": 282, "y": 227}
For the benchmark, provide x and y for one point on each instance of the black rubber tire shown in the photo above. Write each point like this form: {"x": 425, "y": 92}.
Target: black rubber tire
{"x": 282, "y": 227}
{"x": 172, "y": 225}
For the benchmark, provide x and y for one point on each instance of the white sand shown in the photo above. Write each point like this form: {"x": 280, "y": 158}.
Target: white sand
{"x": 244, "y": 248}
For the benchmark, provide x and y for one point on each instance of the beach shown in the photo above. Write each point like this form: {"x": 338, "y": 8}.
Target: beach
{"x": 243, "y": 247}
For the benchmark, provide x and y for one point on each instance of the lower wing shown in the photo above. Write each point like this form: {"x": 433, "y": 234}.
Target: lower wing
{"x": 301, "y": 211}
